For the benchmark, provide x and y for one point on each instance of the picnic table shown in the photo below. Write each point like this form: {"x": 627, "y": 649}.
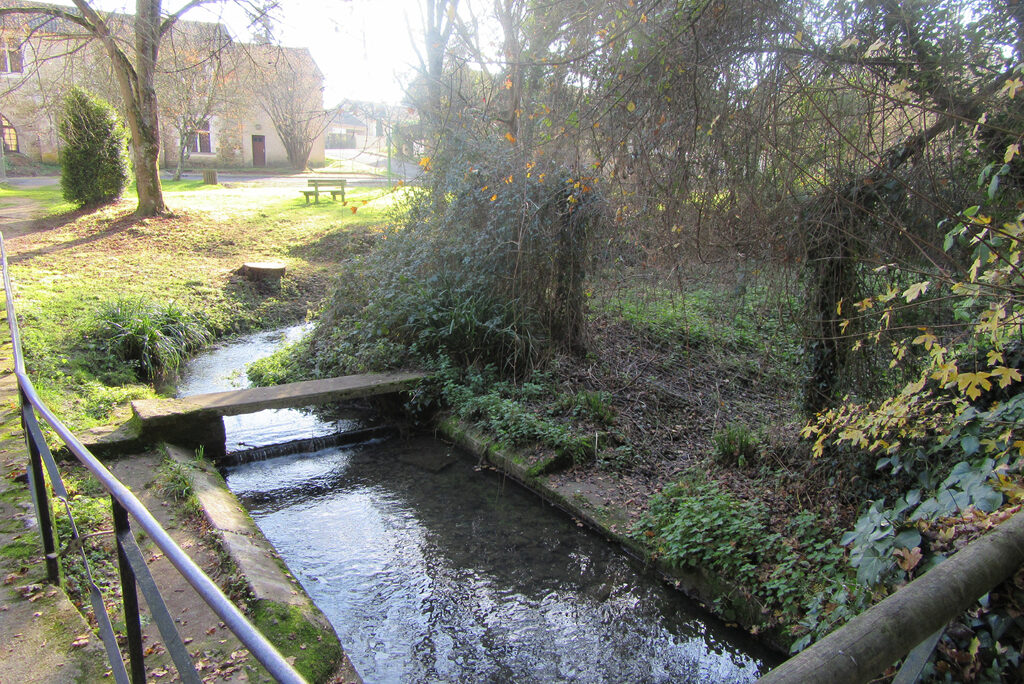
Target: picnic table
{"x": 335, "y": 186}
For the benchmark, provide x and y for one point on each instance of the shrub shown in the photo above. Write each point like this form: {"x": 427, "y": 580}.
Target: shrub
{"x": 93, "y": 159}
{"x": 151, "y": 336}
{"x": 487, "y": 267}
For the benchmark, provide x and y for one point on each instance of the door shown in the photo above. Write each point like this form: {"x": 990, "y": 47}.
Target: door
{"x": 259, "y": 150}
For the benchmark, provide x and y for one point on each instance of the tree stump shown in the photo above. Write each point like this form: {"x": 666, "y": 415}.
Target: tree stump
{"x": 264, "y": 272}
{"x": 209, "y": 176}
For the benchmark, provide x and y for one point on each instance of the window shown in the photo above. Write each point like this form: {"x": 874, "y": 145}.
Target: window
{"x": 10, "y": 136}
{"x": 201, "y": 140}
{"x": 10, "y": 57}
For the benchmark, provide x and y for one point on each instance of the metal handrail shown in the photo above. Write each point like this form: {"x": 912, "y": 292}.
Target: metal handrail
{"x": 233, "y": 618}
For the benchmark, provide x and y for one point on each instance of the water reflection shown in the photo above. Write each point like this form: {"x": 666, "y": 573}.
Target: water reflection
{"x": 460, "y": 575}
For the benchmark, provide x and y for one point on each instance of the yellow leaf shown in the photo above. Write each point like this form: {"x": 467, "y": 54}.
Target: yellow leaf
{"x": 631, "y": 107}
{"x": 425, "y": 162}
{"x": 875, "y": 47}
{"x": 494, "y": 197}
{"x": 864, "y": 304}
{"x": 994, "y": 357}
{"x": 511, "y": 138}
{"x": 850, "y": 42}
{"x": 1012, "y": 86}
{"x": 945, "y": 372}
{"x": 972, "y": 384}
{"x": 799, "y": 36}
{"x": 1007, "y": 376}
{"x": 915, "y": 291}
{"x": 839, "y": 308}
{"x": 914, "y": 387}
{"x": 927, "y": 340}
{"x": 1011, "y": 151}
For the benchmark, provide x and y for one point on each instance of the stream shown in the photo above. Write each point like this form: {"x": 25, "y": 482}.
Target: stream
{"x": 433, "y": 569}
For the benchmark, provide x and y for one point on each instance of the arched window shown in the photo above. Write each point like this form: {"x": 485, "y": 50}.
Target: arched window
{"x": 10, "y": 135}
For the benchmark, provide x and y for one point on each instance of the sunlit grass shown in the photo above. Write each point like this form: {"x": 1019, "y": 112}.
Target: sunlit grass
{"x": 75, "y": 263}
{"x": 49, "y": 197}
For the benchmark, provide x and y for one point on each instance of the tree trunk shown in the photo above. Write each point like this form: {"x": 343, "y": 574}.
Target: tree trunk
{"x": 139, "y": 95}
{"x": 146, "y": 140}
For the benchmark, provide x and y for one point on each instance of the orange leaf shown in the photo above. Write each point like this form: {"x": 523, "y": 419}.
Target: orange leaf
{"x": 511, "y": 138}
{"x": 909, "y": 558}
{"x": 353, "y": 209}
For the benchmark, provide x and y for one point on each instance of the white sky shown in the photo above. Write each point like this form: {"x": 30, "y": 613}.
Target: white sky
{"x": 363, "y": 47}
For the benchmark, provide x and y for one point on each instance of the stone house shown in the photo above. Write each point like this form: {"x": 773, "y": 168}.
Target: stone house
{"x": 225, "y": 102}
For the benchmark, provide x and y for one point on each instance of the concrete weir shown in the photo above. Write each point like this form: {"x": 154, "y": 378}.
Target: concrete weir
{"x": 197, "y": 420}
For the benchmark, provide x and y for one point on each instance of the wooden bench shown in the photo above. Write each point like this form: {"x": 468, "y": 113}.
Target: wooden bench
{"x": 324, "y": 185}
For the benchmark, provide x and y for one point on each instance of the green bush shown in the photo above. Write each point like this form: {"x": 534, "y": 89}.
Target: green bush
{"x": 151, "y": 336}
{"x": 93, "y": 158}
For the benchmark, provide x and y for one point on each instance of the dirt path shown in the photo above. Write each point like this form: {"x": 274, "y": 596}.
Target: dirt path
{"x": 18, "y": 217}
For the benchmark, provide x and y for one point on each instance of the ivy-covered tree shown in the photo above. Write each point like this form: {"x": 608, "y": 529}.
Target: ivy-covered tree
{"x": 93, "y": 158}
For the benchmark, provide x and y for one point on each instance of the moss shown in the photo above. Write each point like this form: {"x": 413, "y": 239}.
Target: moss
{"x": 20, "y": 549}
{"x": 316, "y": 649}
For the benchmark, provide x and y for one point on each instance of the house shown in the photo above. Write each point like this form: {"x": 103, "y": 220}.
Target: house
{"x": 367, "y": 126}
{"x": 222, "y": 103}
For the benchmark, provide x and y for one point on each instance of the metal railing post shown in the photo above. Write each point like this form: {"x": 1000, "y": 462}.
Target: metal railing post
{"x": 129, "y": 596}
{"x": 40, "y": 496}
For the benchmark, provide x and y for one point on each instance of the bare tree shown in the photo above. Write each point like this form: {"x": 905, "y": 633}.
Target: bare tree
{"x": 194, "y": 71}
{"x": 289, "y": 90}
{"x": 134, "y": 61}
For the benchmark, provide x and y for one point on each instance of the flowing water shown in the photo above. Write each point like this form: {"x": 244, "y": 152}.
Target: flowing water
{"x": 432, "y": 569}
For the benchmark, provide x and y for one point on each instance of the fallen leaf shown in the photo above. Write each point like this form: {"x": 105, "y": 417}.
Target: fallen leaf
{"x": 909, "y": 558}
{"x": 80, "y": 641}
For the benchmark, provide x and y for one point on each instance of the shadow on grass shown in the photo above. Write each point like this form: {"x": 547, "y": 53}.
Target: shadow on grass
{"x": 337, "y": 245}
{"x": 113, "y": 227}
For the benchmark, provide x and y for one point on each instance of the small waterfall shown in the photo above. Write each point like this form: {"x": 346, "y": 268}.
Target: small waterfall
{"x": 366, "y": 436}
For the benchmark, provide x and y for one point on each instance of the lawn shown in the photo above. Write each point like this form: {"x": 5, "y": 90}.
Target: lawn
{"x": 71, "y": 262}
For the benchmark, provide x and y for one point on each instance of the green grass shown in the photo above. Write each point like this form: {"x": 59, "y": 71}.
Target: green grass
{"x": 349, "y": 166}
{"x": 759, "y": 320}
{"x": 315, "y": 652}
{"x": 48, "y": 197}
{"x": 78, "y": 262}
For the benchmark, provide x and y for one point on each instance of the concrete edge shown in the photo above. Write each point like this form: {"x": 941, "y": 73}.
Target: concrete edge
{"x": 716, "y": 594}
{"x": 266, "y": 575}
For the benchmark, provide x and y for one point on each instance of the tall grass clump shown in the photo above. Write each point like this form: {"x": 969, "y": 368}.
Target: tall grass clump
{"x": 153, "y": 337}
